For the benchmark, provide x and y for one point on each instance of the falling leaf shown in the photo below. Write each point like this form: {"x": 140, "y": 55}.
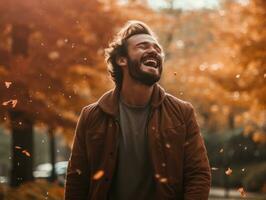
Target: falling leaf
{"x": 242, "y": 192}
{"x": 8, "y": 84}
{"x": 163, "y": 180}
{"x": 26, "y": 153}
{"x": 98, "y": 174}
{"x": 214, "y": 168}
{"x": 167, "y": 145}
{"x": 18, "y": 147}
{"x": 229, "y": 171}
{"x": 6, "y": 103}
{"x": 157, "y": 175}
{"x": 78, "y": 171}
{"x": 221, "y": 150}
{"x": 14, "y": 103}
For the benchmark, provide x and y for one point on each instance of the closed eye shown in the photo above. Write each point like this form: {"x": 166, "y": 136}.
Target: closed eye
{"x": 142, "y": 45}
{"x": 145, "y": 45}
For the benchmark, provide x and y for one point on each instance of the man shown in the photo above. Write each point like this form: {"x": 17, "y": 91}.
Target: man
{"x": 137, "y": 142}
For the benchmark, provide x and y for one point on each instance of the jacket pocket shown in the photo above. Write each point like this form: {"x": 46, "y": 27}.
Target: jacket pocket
{"x": 175, "y": 135}
{"x": 95, "y": 135}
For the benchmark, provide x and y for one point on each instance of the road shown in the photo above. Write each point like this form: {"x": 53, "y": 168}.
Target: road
{"x": 234, "y": 194}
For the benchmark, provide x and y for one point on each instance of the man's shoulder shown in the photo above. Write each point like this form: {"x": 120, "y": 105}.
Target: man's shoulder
{"x": 181, "y": 106}
{"x": 178, "y": 102}
{"x": 91, "y": 110}
{"x": 90, "y": 107}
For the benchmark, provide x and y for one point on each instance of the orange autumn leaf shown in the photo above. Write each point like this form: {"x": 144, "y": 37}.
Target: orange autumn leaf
{"x": 18, "y": 147}
{"x": 229, "y": 171}
{"x": 79, "y": 171}
{"x": 163, "y": 180}
{"x": 242, "y": 192}
{"x": 12, "y": 101}
{"x": 98, "y": 174}
{"x": 157, "y": 175}
{"x": 8, "y": 84}
{"x": 26, "y": 153}
{"x": 6, "y": 103}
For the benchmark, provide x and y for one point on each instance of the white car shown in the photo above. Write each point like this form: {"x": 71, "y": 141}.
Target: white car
{"x": 45, "y": 170}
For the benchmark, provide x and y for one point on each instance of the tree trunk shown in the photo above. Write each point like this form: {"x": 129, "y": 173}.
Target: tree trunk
{"x": 21, "y": 121}
{"x": 231, "y": 121}
{"x": 53, "y": 176}
{"x": 22, "y": 147}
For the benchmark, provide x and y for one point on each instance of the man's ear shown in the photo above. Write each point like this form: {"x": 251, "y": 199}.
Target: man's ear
{"x": 121, "y": 61}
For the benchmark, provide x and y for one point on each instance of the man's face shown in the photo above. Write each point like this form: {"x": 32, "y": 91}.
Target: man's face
{"x": 144, "y": 59}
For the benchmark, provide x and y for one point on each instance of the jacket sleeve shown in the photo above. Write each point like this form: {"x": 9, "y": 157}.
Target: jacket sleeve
{"x": 197, "y": 175}
{"x": 77, "y": 178}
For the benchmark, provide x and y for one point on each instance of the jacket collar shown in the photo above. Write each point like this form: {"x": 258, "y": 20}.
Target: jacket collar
{"x": 109, "y": 101}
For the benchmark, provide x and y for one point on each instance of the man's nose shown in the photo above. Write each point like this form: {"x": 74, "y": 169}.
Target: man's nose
{"x": 152, "y": 49}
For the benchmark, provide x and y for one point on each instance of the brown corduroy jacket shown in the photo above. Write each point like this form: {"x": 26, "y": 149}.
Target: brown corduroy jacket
{"x": 180, "y": 164}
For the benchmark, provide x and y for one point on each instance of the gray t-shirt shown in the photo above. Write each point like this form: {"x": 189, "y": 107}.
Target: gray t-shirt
{"x": 133, "y": 178}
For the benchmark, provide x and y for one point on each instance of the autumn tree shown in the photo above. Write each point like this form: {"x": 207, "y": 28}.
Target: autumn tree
{"x": 51, "y": 64}
{"x": 206, "y": 63}
{"x": 241, "y": 38}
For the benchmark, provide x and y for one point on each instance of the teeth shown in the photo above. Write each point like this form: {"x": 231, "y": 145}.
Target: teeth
{"x": 150, "y": 62}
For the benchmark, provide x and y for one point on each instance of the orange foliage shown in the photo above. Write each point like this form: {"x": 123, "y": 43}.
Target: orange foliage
{"x": 216, "y": 60}
{"x": 38, "y": 190}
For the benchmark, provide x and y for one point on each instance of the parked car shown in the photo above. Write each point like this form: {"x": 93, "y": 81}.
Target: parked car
{"x": 3, "y": 179}
{"x": 44, "y": 171}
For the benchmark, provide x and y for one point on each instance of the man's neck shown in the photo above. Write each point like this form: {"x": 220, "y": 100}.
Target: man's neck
{"x": 136, "y": 94}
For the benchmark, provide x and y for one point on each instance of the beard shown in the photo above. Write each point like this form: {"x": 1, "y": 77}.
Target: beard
{"x": 136, "y": 73}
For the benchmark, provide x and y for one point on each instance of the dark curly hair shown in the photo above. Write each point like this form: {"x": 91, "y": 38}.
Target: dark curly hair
{"x": 118, "y": 47}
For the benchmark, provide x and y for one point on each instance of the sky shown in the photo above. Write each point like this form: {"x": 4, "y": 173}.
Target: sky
{"x": 187, "y": 4}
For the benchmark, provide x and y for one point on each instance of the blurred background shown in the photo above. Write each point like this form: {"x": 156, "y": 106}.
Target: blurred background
{"x": 52, "y": 65}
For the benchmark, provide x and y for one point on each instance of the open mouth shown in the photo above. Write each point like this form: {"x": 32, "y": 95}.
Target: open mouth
{"x": 151, "y": 62}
